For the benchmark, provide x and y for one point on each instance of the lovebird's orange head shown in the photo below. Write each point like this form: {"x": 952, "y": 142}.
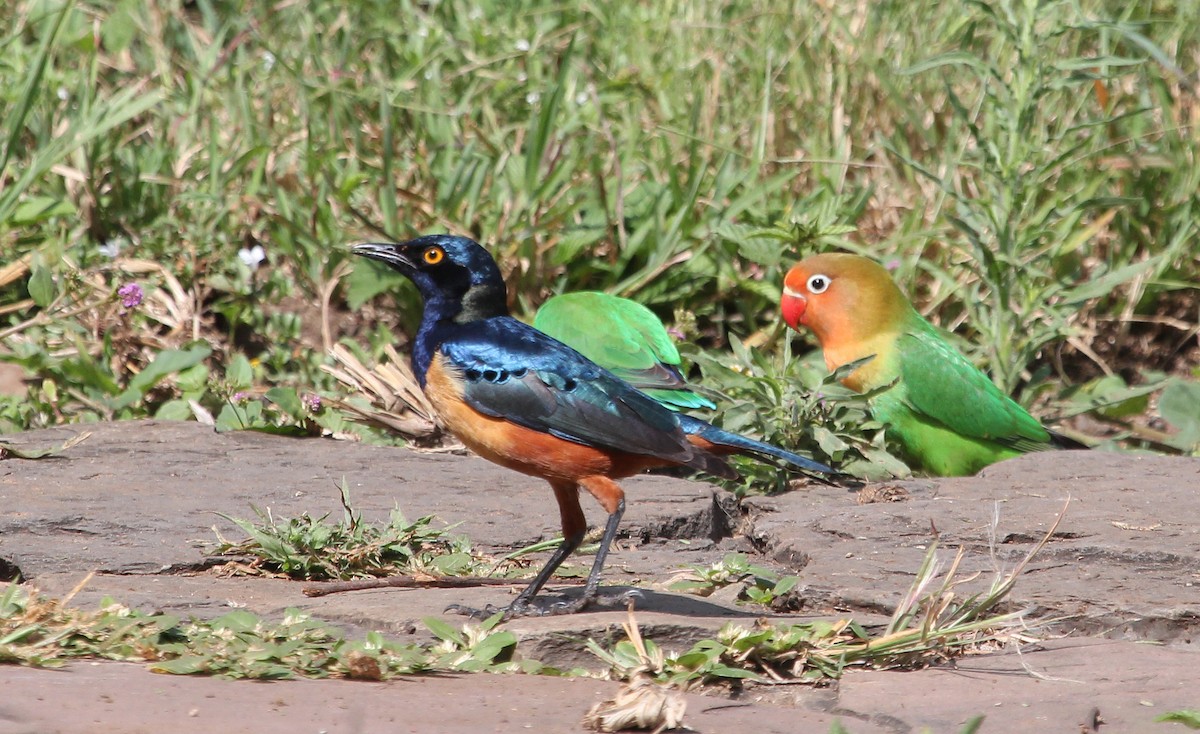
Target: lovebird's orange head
{"x": 847, "y": 301}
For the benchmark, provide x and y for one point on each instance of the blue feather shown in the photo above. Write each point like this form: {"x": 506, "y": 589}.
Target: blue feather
{"x": 707, "y": 431}
{"x": 512, "y": 371}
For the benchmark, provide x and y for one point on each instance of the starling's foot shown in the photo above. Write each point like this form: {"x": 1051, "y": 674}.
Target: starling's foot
{"x": 619, "y": 601}
{"x": 566, "y": 606}
{"x": 530, "y": 609}
{"x": 595, "y": 601}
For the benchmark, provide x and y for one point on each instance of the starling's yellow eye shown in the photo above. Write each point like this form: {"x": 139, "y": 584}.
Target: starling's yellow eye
{"x": 433, "y": 255}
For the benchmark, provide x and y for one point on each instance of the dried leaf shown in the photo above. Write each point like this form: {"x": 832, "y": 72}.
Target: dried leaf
{"x": 640, "y": 704}
{"x": 1139, "y": 528}
{"x": 396, "y": 402}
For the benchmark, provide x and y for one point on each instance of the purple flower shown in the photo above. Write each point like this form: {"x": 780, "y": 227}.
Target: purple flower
{"x": 131, "y": 295}
{"x": 312, "y": 402}
{"x": 240, "y": 397}
{"x": 892, "y": 264}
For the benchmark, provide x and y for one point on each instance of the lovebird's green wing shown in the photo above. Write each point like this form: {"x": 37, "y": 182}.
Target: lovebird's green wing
{"x": 624, "y": 337}
{"x": 942, "y": 384}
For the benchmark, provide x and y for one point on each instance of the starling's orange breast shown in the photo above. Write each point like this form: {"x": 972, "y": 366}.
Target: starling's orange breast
{"x": 519, "y": 448}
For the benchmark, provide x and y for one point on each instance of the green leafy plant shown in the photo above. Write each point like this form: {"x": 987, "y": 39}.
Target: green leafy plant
{"x": 313, "y": 549}
{"x": 1179, "y": 405}
{"x": 760, "y": 585}
{"x": 1026, "y": 189}
{"x": 797, "y": 404}
{"x": 1188, "y": 717}
{"x": 930, "y": 623}
{"x": 42, "y": 632}
{"x": 1025, "y": 167}
{"x": 475, "y": 648}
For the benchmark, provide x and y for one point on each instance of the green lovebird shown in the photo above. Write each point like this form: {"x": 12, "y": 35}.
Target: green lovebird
{"x": 949, "y": 417}
{"x": 627, "y": 339}
{"x": 624, "y": 337}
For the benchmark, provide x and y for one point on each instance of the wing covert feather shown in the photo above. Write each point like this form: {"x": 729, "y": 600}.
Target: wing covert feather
{"x": 522, "y": 375}
{"x": 941, "y": 383}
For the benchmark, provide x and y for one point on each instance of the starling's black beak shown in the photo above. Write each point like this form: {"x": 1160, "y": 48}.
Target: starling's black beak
{"x": 386, "y": 252}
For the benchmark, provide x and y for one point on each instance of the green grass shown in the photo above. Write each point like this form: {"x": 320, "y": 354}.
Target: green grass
{"x": 38, "y": 631}
{"x": 933, "y": 622}
{"x": 1188, "y": 717}
{"x": 314, "y": 549}
{"x": 1030, "y": 168}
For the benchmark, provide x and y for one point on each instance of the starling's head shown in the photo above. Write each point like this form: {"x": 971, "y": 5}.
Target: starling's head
{"x": 446, "y": 269}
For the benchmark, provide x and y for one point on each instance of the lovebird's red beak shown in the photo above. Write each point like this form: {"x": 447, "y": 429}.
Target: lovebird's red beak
{"x": 792, "y": 305}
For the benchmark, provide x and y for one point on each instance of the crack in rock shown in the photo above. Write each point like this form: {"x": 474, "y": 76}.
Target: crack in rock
{"x": 713, "y": 522}
{"x": 10, "y": 571}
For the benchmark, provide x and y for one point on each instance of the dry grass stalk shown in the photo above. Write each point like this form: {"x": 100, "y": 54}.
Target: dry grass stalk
{"x": 397, "y": 403}
{"x": 932, "y": 622}
{"x": 641, "y": 703}
{"x": 947, "y": 623}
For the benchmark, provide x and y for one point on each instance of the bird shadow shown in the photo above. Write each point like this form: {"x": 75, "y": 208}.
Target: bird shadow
{"x": 619, "y": 598}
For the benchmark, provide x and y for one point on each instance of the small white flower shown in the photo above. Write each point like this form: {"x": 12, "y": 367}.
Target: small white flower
{"x": 252, "y": 256}
{"x": 522, "y": 45}
{"x": 522, "y": 77}
{"x": 63, "y": 94}
{"x": 532, "y": 98}
{"x": 112, "y": 248}
{"x": 581, "y": 98}
{"x": 423, "y": 32}
{"x": 224, "y": 634}
{"x": 268, "y": 60}
{"x": 428, "y": 74}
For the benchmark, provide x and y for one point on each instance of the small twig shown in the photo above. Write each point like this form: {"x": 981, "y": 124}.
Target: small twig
{"x": 100, "y": 408}
{"x": 78, "y": 588}
{"x": 1006, "y": 585}
{"x": 649, "y": 276}
{"x": 41, "y": 317}
{"x": 1160, "y": 439}
{"x": 15, "y": 307}
{"x": 1170, "y": 321}
{"x": 1040, "y": 676}
{"x": 1088, "y": 352}
{"x": 49, "y": 313}
{"x": 327, "y": 289}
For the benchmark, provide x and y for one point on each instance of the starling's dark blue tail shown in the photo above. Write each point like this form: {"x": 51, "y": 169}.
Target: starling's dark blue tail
{"x": 741, "y": 444}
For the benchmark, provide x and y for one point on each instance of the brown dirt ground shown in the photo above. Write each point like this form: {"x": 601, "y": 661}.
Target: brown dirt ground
{"x": 1113, "y": 597}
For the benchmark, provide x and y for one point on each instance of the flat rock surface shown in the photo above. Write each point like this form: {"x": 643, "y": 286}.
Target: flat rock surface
{"x": 1124, "y": 560}
{"x": 138, "y": 502}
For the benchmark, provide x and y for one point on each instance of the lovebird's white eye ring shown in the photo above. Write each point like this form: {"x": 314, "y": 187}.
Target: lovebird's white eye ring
{"x": 817, "y": 284}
